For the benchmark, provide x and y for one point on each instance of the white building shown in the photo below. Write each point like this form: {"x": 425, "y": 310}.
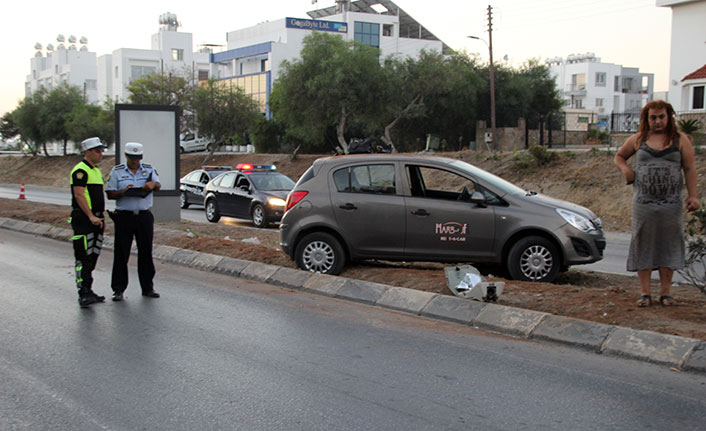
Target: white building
{"x": 586, "y": 83}
{"x": 73, "y": 65}
{"x": 171, "y": 52}
{"x": 255, "y": 54}
{"x": 688, "y": 54}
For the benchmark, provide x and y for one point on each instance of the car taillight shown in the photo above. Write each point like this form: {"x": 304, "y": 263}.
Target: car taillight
{"x": 293, "y": 198}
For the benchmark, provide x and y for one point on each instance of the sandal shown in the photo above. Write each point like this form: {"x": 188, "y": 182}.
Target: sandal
{"x": 667, "y": 301}
{"x": 644, "y": 301}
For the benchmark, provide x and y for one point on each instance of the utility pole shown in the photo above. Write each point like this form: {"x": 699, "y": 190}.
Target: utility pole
{"x": 492, "y": 77}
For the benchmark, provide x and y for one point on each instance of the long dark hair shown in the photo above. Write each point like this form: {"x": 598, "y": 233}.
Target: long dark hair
{"x": 672, "y": 132}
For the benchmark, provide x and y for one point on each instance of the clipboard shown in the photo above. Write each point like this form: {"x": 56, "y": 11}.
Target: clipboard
{"x": 138, "y": 192}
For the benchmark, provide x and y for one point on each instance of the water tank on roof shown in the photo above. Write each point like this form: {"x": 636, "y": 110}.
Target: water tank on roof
{"x": 84, "y": 48}
{"x": 72, "y": 47}
{"x": 83, "y": 40}
{"x": 50, "y": 47}
{"x": 169, "y": 21}
{"x": 72, "y": 39}
{"x": 60, "y": 38}
{"x": 38, "y": 46}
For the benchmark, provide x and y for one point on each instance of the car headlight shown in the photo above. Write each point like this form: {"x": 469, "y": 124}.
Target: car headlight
{"x": 576, "y": 220}
{"x": 276, "y": 202}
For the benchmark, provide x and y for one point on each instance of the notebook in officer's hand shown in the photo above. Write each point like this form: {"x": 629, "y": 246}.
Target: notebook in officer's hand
{"x": 137, "y": 192}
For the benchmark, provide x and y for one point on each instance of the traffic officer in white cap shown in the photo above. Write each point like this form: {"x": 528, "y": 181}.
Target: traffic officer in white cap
{"x": 87, "y": 220}
{"x": 131, "y": 184}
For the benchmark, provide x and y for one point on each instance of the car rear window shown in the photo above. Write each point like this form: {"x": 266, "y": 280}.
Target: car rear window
{"x": 377, "y": 179}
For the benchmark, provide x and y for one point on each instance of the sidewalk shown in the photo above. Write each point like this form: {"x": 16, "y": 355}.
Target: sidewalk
{"x": 680, "y": 353}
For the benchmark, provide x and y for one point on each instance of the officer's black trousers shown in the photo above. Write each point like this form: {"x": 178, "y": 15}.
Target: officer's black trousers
{"x": 87, "y": 241}
{"x": 141, "y": 227}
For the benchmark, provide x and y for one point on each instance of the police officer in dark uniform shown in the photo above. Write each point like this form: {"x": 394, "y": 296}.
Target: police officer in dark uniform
{"x": 131, "y": 185}
{"x": 87, "y": 218}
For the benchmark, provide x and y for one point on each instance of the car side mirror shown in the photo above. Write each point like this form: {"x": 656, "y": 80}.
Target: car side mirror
{"x": 478, "y": 198}
{"x": 245, "y": 188}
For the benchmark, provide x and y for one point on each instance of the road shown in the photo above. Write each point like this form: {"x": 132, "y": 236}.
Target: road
{"x": 222, "y": 353}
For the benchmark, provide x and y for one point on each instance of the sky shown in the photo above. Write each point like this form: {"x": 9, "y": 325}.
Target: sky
{"x": 632, "y": 33}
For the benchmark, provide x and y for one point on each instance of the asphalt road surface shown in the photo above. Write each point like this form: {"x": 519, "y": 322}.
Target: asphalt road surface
{"x": 222, "y": 353}
{"x": 613, "y": 262}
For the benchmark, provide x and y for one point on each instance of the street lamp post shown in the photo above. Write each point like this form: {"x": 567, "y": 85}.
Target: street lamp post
{"x": 492, "y": 84}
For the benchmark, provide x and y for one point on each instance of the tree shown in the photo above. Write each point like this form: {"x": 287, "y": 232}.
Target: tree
{"x": 8, "y": 127}
{"x": 223, "y": 111}
{"x": 85, "y": 121}
{"x": 56, "y": 106}
{"x": 164, "y": 89}
{"x": 334, "y": 83}
{"x": 27, "y": 117}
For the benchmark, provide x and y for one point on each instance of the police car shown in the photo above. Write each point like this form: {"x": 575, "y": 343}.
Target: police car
{"x": 192, "y": 186}
{"x": 250, "y": 191}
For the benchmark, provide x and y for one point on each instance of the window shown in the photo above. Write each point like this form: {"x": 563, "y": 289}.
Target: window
{"x": 600, "y": 79}
{"x": 177, "y": 54}
{"x": 56, "y": 69}
{"x": 263, "y": 65}
{"x": 599, "y": 102}
{"x": 116, "y": 71}
{"x": 137, "y": 72}
{"x": 578, "y": 82}
{"x": 228, "y": 180}
{"x": 698, "y": 98}
{"x": 90, "y": 84}
{"x": 627, "y": 84}
{"x": 616, "y": 83}
{"x": 203, "y": 75}
{"x": 377, "y": 179}
{"x": 387, "y": 29}
{"x": 367, "y": 33}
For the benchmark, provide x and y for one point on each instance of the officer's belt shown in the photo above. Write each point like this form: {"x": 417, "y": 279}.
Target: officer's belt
{"x": 136, "y": 212}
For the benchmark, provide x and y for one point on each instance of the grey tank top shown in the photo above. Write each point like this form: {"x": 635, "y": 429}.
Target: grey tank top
{"x": 658, "y": 176}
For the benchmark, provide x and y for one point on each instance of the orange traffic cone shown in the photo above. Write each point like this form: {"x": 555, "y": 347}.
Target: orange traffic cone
{"x": 22, "y": 191}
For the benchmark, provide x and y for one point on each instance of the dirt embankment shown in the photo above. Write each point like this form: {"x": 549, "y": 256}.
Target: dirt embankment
{"x": 589, "y": 179}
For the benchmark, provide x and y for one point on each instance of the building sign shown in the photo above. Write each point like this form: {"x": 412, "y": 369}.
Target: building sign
{"x": 311, "y": 24}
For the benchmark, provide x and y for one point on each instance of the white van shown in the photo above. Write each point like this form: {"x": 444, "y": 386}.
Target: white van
{"x": 191, "y": 141}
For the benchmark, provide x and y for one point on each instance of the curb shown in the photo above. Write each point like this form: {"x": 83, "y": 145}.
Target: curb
{"x": 682, "y": 353}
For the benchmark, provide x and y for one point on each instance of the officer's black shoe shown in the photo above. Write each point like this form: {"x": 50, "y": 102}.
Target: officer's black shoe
{"x": 151, "y": 294}
{"x": 98, "y": 298}
{"x": 117, "y": 296}
{"x": 85, "y": 301}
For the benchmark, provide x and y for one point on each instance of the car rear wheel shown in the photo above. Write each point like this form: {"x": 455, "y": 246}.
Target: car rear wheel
{"x": 212, "y": 213}
{"x": 183, "y": 202}
{"x": 259, "y": 218}
{"x": 181, "y": 150}
{"x": 534, "y": 259}
{"x": 321, "y": 253}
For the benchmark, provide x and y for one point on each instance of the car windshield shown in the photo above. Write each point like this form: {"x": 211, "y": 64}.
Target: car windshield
{"x": 492, "y": 180}
{"x": 271, "y": 181}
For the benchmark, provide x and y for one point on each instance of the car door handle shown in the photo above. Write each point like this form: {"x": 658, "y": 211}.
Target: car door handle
{"x": 421, "y": 212}
{"x": 348, "y": 206}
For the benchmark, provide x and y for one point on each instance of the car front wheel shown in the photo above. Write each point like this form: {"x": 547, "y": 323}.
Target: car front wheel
{"x": 534, "y": 259}
{"x": 183, "y": 202}
{"x": 321, "y": 253}
{"x": 259, "y": 218}
{"x": 212, "y": 213}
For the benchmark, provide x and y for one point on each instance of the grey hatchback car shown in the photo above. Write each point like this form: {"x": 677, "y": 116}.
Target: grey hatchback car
{"x": 421, "y": 208}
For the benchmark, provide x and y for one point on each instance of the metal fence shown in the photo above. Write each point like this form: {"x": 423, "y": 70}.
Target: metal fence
{"x": 546, "y": 130}
{"x": 624, "y": 122}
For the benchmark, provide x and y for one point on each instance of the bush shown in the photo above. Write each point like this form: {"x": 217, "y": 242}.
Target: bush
{"x": 597, "y": 135}
{"x": 541, "y": 155}
{"x": 695, "y": 266}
